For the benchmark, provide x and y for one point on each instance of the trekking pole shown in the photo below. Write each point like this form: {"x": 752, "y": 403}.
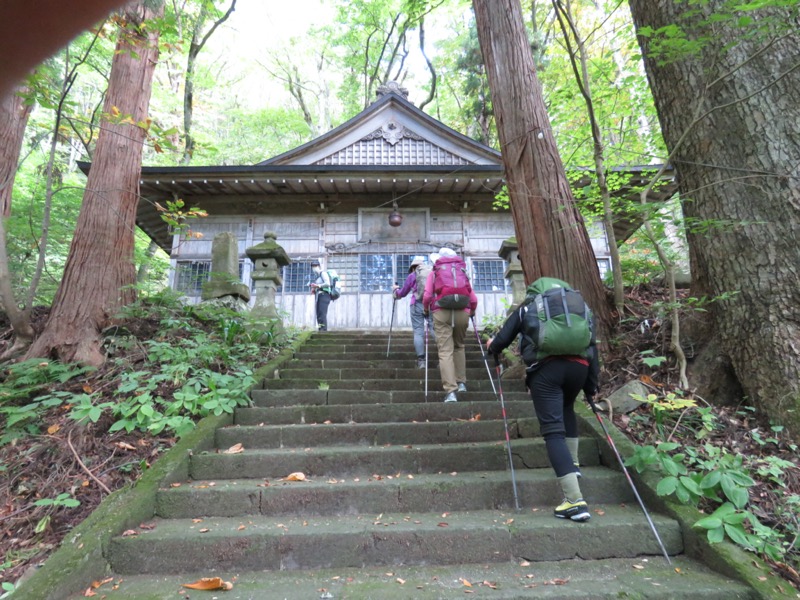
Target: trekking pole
{"x": 426, "y": 357}
{"x": 596, "y": 412}
{"x": 483, "y": 355}
{"x": 391, "y": 323}
{"x": 505, "y": 426}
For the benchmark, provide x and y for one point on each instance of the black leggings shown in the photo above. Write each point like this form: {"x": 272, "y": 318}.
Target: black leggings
{"x": 323, "y": 300}
{"x": 554, "y": 385}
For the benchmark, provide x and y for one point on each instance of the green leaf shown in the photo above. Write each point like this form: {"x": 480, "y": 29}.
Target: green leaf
{"x": 715, "y": 536}
{"x": 667, "y": 486}
{"x": 711, "y": 480}
{"x": 738, "y": 535}
{"x": 734, "y": 492}
{"x": 709, "y": 522}
{"x": 691, "y": 485}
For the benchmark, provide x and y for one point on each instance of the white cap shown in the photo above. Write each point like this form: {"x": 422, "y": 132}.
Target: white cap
{"x": 417, "y": 260}
{"x": 447, "y": 252}
{"x": 433, "y": 257}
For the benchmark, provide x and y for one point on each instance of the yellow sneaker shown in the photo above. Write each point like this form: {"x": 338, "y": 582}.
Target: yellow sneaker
{"x": 577, "y": 511}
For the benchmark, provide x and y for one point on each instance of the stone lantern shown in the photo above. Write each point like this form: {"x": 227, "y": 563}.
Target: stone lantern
{"x": 268, "y": 258}
{"x": 509, "y": 252}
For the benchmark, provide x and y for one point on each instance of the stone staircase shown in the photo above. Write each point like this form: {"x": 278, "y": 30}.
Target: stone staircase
{"x": 402, "y": 498}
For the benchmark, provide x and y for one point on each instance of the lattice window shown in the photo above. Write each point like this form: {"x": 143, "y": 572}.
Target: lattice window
{"x": 376, "y": 272}
{"x": 488, "y": 275}
{"x": 190, "y": 275}
{"x": 297, "y": 276}
{"x": 402, "y": 262}
{"x": 346, "y": 266}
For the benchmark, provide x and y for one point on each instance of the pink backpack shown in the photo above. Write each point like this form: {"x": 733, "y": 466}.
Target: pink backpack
{"x": 451, "y": 287}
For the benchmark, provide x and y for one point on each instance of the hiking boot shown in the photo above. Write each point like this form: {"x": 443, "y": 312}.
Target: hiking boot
{"x": 420, "y": 363}
{"x": 451, "y": 397}
{"x": 462, "y": 387}
{"x": 577, "y": 511}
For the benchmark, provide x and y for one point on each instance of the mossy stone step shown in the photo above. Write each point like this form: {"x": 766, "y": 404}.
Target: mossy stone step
{"x": 284, "y": 543}
{"x": 472, "y": 490}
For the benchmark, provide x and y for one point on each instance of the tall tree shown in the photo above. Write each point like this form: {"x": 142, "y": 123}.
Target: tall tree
{"x": 14, "y": 112}
{"x": 726, "y": 98}
{"x": 100, "y": 272}
{"x": 551, "y": 233}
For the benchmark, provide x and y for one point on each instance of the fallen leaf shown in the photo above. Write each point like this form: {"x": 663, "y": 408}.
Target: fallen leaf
{"x": 638, "y": 566}
{"x": 490, "y": 585}
{"x": 204, "y": 530}
{"x": 53, "y": 429}
{"x": 599, "y": 511}
{"x": 556, "y": 582}
{"x": 298, "y": 476}
{"x": 240, "y": 528}
{"x": 197, "y": 520}
{"x": 235, "y": 449}
{"x": 762, "y": 578}
{"x": 443, "y": 525}
{"x": 465, "y": 582}
{"x": 124, "y": 446}
{"x": 209, "y": 583}
{"x": 97, "y": 584}
{"x": 85, "y": 483}
{"x": 146, "y": 526}
{"x": 89, "y": 593}
{"x": 524, "y": 563}
{"x": 129, "y": 532}
{"x": 476, "y": 417}
{"x": 87, "y": 388}
{"x": 400, "y": 581}
{"x": 509, "y": 521}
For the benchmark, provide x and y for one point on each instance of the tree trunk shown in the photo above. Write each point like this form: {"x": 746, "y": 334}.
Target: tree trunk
{"x": 551, "y": 235}
{"x": 99, "y": 273}
{"x": 14, "y": 115}
{"x": 736, "y": 163}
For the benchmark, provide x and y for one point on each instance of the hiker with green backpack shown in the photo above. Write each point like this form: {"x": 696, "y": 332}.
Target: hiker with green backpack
{"x": 324, "y": 289}
{"x": 557, "y": 344}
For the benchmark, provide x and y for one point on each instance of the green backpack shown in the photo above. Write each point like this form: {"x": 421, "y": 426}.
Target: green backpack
{"x": 335, "y": 291}
{"x": 555, "y": 321}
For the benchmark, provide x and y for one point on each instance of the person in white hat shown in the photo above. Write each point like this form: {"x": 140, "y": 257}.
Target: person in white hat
{"x": 414, "y": 285}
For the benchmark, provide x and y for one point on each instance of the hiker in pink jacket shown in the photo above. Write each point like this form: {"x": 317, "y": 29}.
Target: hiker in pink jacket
{"x": 450, "y": 298}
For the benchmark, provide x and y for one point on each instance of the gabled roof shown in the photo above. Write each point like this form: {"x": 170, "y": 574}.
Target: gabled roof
{"x": 390, "y": 132}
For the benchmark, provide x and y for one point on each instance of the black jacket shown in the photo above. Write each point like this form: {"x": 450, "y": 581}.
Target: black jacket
{"x": 513, "y": 327}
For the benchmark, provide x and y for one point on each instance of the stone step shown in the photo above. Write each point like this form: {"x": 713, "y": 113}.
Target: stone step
{"x": 380, "y": 413}
{"x": 371, "y": 434}
{"x": 572, "y": 579}
{"x": 434, "y": 493}
{"x": 434, "y": 384}
{"x": 356, "y": 461}
{"x": 377, "y": 363}
{"x": 324, "y": 375}
{"x": 288, "y": 542}
{"x": 290, "y": 397}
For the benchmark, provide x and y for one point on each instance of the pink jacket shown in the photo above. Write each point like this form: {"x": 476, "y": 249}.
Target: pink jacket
{"x": 428, "y": 297}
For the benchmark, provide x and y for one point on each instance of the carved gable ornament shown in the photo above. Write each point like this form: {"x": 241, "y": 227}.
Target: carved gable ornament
{"x": 392, "y": 132}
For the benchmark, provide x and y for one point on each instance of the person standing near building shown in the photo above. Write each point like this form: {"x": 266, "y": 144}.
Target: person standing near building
{"x": 414, "y": 284}
{"x": 321, "y": 288}
{"x": 449, "y": 297}
{"x": 554, "y": 380}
